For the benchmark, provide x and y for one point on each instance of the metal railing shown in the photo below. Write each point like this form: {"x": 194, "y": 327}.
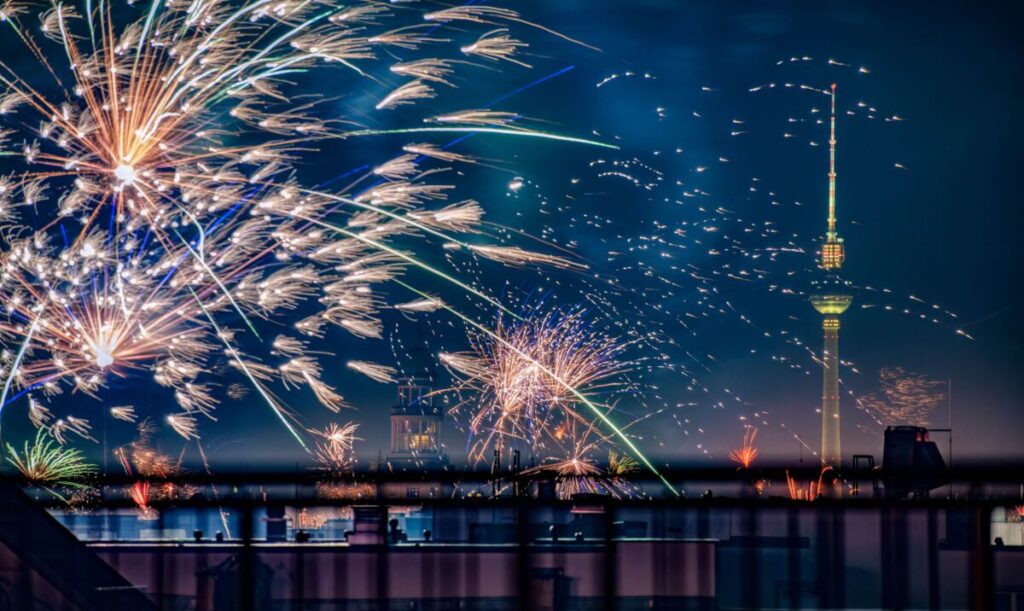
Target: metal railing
{"x": 729, "y": 548}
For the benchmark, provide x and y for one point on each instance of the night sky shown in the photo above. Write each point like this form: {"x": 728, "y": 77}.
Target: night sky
{"x": 928, "y": 198}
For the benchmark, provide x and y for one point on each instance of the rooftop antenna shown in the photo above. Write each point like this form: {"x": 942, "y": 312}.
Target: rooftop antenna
{"x": 496, "y": 472}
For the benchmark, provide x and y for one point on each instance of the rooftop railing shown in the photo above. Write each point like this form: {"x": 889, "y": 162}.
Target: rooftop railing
{"x": 471, "y": 540}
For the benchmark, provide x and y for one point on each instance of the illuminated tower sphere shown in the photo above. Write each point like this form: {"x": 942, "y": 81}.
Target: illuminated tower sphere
{"x": 830, "y": 304}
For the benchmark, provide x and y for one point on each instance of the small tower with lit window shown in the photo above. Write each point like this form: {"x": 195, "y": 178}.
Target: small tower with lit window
{"x": 416, "y": 426}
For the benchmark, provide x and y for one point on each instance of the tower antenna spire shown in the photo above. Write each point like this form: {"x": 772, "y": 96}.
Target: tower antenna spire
{"x": 832, "y": 170}
{"x": 833, "y": 252}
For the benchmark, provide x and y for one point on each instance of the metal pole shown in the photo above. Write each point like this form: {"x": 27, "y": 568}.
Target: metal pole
{"x": 246, "y": 569}
{"x": 610, "y": 558}
{"x": 793, "y": 559}
{"x": 934, "y": 585}
{"x": 522, "y": 556}
{"x": 949, "y": 401}
{"x": 983, "y": 580}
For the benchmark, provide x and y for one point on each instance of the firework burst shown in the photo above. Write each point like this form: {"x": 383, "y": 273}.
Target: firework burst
{"x": 154, "y": 197}
{"x": 576, "y": 469}
{"x": 746, "y": 454}
{"x": 46, "y": 463}
{"x": 515, "y": 389}
{"x": 334, "y": 450}
{"x": 140, "y": 459}
{"x": 547, "y": 383}
{"x": 810, "y": 490}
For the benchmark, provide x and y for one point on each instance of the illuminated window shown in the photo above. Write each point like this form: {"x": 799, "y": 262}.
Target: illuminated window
{"x": 420, "y": 442}
{"x": 832, "y": 255}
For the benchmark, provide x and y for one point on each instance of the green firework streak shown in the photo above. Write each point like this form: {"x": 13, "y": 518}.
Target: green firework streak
{"x": 482, "y": 130}
{"x": 255, "y": 382}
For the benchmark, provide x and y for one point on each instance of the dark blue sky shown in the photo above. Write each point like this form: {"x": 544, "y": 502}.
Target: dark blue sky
{"x": 943, "y": 227}
{"x": 944, "y": 230}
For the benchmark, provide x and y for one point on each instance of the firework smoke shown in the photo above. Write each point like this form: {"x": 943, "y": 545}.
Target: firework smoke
{"x": 904, "y": 397}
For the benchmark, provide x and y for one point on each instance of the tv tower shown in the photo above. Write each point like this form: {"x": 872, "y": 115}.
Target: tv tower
{"x": 830, "y": 303}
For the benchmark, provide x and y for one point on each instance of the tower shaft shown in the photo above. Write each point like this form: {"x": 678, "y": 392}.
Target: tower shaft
{"x": 831, "y": 450}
